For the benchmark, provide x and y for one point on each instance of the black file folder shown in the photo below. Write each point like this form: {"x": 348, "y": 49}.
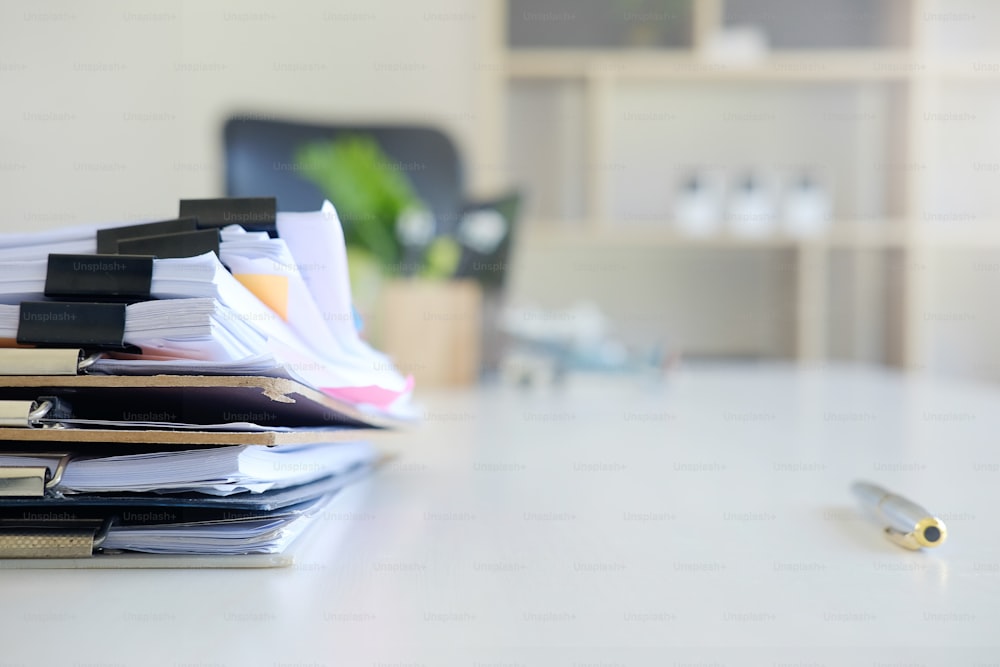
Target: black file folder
{"x": 27, "y": 374}
{"x": 190, "y": 399}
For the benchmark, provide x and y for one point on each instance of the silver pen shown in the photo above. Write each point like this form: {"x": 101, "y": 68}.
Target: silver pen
{"x": 907, "y": 524}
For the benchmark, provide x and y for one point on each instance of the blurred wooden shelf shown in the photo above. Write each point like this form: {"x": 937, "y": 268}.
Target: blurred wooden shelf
{"x": 848, "y": 235}
{"x": 895, "y": 90}
{"x": 638, "y": 65}
{"x": 967, "y": 67}
{"x": 986, "y": 235}
{"x": 784, "y": 66}
{"x": 875, "y": 234}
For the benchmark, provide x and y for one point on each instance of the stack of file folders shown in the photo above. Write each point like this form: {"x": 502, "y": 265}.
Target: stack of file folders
{"x": 183, "y": 393}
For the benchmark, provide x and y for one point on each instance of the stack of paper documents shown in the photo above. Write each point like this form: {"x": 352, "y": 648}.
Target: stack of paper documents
{"x": 292, "y": 307}
{"x": 270, "y": 535}
{"x": 190, "y": 404}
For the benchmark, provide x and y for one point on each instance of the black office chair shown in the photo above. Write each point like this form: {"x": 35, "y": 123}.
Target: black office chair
{"x": 260, "y": 161}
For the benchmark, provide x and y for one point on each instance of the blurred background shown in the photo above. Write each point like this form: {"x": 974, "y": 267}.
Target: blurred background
{"x": 804, "y": 180}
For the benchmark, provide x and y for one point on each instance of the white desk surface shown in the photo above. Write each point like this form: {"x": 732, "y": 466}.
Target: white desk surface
{"x": 707, "y": 523}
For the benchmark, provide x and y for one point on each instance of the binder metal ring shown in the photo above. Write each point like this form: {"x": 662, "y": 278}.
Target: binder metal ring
{"x": 33, "y": 481}
{"x": 38, "y": 411}
{"x": 88, "y": 361}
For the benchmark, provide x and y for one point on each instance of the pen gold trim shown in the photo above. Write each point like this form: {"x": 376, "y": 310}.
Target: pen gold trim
{"x": 907, "y": 524}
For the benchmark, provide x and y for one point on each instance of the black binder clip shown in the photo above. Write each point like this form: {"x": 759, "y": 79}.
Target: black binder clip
{"x": 108, "y": 239}
{"x": 180, "y": 244}
{"x": 254, "y": 214}
{"x": 99, "y": 276}
{"x": 92, "y": 326}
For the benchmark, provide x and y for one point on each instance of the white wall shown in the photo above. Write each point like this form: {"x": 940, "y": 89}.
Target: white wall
{"x": 113, "y": 109}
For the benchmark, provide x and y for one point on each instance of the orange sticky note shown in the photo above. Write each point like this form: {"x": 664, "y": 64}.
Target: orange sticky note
{"x": 272, "y": 290}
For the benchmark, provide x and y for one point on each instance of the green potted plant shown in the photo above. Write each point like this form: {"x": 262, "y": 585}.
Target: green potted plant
{"x": 399, "y": 262}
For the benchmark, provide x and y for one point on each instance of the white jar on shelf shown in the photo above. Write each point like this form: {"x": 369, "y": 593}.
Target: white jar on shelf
{"x": 751, "y": 207}
{"x": 806, "y": 209}
{"x": 698, "y": 205}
